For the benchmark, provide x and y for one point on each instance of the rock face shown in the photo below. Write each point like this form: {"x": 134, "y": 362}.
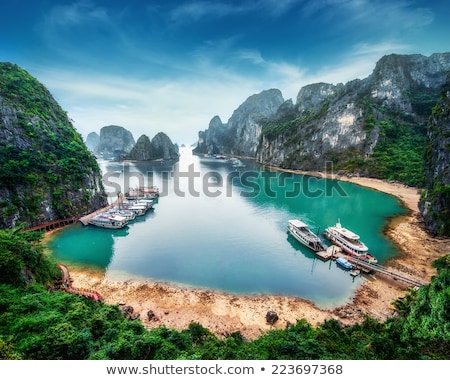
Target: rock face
{"x": 340, "y": 123}
{"x": 92, "y": 141}
{"x": 240, "y": 136}
{"x": 164, "y": 148}
{"x": 161, "y": 147}
{"x": 115, "y": 142}
{"x": 346, "y": 125}
{"x": 143, "y": 150}
{"x": 46, "y": 171}
{"x": 435, "y": 202}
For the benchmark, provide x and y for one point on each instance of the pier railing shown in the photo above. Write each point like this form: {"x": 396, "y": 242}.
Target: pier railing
{"x": 382, "y": 270}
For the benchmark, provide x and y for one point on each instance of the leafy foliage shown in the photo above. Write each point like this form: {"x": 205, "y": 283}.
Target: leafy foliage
{"x": 36, "y": 324}
{"x": 44, "y": 156}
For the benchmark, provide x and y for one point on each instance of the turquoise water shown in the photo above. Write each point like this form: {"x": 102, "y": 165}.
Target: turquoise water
{"x": 225, "y": 229}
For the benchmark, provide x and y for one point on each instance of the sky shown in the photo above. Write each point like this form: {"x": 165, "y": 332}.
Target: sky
{"x": 171, "y": 66}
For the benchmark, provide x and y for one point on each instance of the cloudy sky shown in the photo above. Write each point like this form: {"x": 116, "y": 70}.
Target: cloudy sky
{"x": 172, "y": 65}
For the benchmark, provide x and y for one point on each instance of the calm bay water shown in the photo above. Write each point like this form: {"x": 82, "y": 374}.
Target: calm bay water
{"x": 224, "y": 228}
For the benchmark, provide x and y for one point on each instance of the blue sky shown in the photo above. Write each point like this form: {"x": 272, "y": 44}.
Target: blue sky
{"x": 172, "y": 65}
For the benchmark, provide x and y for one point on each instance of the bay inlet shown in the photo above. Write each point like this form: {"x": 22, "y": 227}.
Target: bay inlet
{"x": 224, "y": 228}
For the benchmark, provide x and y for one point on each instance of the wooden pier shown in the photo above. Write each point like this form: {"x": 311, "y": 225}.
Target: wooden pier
{"x": 376, "y": 268}
{"x": 52, "y": 224}
{"x": 333, "y": 252}
{"x": 330, "y": 253}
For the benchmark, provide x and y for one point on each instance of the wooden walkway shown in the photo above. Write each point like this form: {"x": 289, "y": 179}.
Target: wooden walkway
{"x": 333, "y": 252}
{"x": 52, "y": 224}
{"x": 67, "y": 286}
{"x": 360, "y": 264}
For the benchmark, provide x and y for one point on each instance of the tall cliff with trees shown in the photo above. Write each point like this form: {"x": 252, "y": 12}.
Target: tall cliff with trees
{"x": 376, "y": 126}
{"x": 46, "y": 171}
{"x": 435, "y": 200}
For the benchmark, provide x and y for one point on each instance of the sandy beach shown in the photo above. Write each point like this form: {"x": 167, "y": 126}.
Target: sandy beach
{"x": 222, "y": 313}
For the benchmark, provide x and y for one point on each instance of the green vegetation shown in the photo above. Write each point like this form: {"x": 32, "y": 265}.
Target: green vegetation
{"x": 41, "y": 155}
{"x": 436, "y": 199}
{"x": 398, "y": 154}
{"x": 38, "y": 324}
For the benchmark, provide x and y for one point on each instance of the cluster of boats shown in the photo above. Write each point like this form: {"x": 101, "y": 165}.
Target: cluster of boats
{"x": 127, "y": 209}
{"x": 348, "y": 241}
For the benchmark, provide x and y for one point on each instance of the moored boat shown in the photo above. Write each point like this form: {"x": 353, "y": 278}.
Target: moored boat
{"x": 128, "y": 214}
{"x": 300, "y": 231}
{"x": 109, "y": 220}
{"x": 349, "y": 242}
{"x": 344, "y": 263}
{"x": 137, "y": 209}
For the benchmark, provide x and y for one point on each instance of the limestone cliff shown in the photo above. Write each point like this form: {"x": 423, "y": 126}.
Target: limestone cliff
{"x": 92, "y": 141}
{"x": 46, "y": 171}
{"x": 241, "y": 134}
{"x": 376, "y": 126}
{"x": 164, "y": 148}
{"x": 115, "y": 142}
{"x": 435, "y": 201}
{"x": 160, "y": 147}
{"x": 353, "y": 126}
{"x": 142, "y": 150}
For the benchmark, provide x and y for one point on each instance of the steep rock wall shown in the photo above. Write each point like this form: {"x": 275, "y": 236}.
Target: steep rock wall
{"x": 46, "y": 171}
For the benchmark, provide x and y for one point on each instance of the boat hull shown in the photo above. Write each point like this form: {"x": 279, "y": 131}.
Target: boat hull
{"x": 307, "y": 239}
{"x": 106, "y": 225}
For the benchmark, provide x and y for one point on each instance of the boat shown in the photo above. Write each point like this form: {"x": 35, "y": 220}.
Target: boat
{"x": 349, "y": 242}
{"x": 344, "y": 263}
{"x": 138, "y": 209}
{"x": 128, "y": 214}
{"x": 304, "y": 235}
{"x": 109, "y": 220}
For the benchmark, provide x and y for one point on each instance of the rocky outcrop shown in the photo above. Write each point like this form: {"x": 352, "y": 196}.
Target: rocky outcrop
{"x": 92, "y": 141}
{"x": 46, "y": 171}
{"x": 164, "y": 148}
{"x": 241, "y": 134}
{"x": 161, "y": 147}
{"x": 115, "y": 142}
{"x": 143, "y": 150}
{"x": 343, "y": 124}
{"x": 435, "y": 201}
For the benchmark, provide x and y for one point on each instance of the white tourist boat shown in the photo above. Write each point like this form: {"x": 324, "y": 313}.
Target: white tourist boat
{"x": 128, "y": 214}
{"x": 349, "y": 242}
{"x": 304, "y": 235}
{"x": 109, "y": 220}
{"x": 137, "y": 209}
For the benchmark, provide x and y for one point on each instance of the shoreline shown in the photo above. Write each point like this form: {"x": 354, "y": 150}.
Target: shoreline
{"x": 223, "y": 313}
